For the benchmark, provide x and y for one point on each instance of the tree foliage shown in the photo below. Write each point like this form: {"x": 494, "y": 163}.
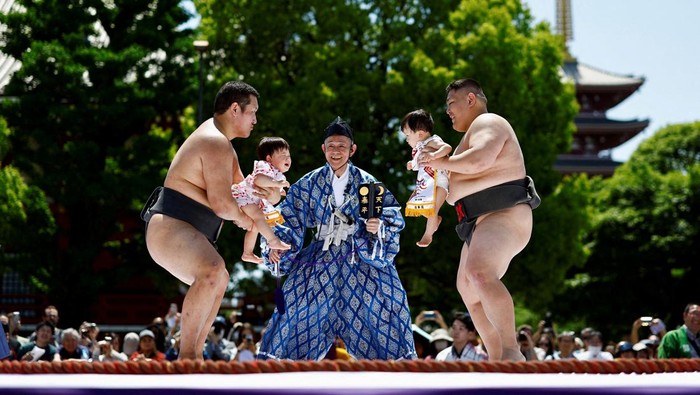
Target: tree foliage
{"x": 94, "y": 109}
{"x": 372, "y": 62}
{"x": 645, "y": 236}
{"x": 26, "y": 219}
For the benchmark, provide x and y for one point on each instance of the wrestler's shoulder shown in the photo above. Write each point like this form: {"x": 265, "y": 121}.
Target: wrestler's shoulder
{"x": 490, "y": 119}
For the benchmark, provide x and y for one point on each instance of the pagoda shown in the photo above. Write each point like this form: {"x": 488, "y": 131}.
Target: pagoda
{"x": 597, "y": 91}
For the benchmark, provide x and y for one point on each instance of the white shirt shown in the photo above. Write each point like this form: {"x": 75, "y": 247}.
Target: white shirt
{"x": 339, "y": 184}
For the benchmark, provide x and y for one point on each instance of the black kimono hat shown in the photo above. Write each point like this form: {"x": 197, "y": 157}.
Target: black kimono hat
{"x": 338, "y": 128}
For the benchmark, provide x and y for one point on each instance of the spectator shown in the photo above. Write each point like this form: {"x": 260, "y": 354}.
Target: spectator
{"x": 42, "y": 348}
{"x": 51, "y": 315}
{"x": 642, "y": 351}
{"x": 430, "y": 320}
{"x": 440, "y": 340}
{"x": 546, "y": 344}
{"x": 246, "y": 351}
{"x": 217, "y": 347}
{"x": 88, "y": 337}
{"x": 683, "y": 342}
{"x": 595, "y": 348}
{"x": 131, "y": 343}
{"x": 160, "y": 330}
{"x": 566, "y": 344}
{"x": 16, "y": 327}
{"x": 464, "y": 342}
{"x": 108, "y": 353}
{"x": 232, "y": 326}
{"x": 527, "y": 344}
{"x": 655, "y": 325}
{"x": 422, "y": 340}
{"x": 652, "y": 344}
{"x": 71, "y": 348}
{"x": 625, "y": 350}
{"x": 147, "y": 348}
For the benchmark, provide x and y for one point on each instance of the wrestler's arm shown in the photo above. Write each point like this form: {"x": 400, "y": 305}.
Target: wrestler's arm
{"x": 485, "y": 143}
{"x": 216, "y": 170}
{"x": 237, "y": 172}
{"x": 438, "y": 149}
{"x": 264, "y": 181}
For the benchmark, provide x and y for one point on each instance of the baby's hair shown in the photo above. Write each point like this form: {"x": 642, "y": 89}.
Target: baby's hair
{"x": 270, "y": 145}
{"x": 418, "y": 120}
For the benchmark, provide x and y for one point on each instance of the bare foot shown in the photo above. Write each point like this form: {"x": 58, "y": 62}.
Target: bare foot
{"x": 429, "y": 230}
{"x": 277, "y": 244}
{"x": 250, "y": 257}
{"x": 512, "y": 355}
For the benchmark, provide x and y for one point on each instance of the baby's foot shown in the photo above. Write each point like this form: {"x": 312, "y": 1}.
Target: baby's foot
{"x": 277, "y": 244}
{"x": 429, "y": 230}
{"x": 250, "y": 257}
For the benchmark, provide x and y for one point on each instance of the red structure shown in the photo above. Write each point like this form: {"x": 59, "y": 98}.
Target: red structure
{"x": 597, "y": 91}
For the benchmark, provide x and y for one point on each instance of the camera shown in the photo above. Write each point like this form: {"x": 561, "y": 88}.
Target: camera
{"x": 646, "y": 320}
{"x": 522, "y": 337}
{"x": 429, "y": 315}
{"x": 249, "y": 338}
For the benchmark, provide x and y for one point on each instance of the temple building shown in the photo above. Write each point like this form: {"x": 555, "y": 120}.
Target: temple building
{"x": 597, "y": 91}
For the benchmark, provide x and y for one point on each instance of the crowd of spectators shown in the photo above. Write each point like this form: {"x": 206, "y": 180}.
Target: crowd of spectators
{"x": 231, "y": 340}
{"x": 547, "y": 344}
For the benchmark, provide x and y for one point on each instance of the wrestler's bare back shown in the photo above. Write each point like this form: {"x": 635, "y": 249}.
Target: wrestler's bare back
{"x": 204, "y": 168}
{"x": 492, "y": 156}
{"x": 201, "y": 170}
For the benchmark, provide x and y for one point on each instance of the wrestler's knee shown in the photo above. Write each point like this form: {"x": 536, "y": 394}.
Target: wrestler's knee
{"x": 479, "y": 277}
{"x": 215, "y": 274}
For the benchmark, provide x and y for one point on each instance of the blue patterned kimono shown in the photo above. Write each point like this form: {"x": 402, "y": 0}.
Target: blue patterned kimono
{"x": 351, "y": 290}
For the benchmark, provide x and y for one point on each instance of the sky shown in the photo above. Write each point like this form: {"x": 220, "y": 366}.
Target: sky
{"x": 659, "y": 41}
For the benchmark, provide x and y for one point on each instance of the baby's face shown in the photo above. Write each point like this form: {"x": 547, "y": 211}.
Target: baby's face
{"x": 281, "y": 160}
{"x": 411, "y": 136}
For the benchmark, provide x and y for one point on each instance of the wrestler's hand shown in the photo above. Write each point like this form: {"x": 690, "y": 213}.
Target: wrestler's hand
{"x": 439, "y": 163}
{"x": 373, "y": 225}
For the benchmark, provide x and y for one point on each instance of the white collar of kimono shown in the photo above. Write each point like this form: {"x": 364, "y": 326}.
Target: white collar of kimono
{"x": 339, "y": 184}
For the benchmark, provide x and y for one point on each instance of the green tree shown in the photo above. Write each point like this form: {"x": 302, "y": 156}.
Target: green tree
{"x": 644, "y": 242}
{"x": 95, "y": 110}
{"x": 26, "y": 219}
{"x": 372, "y": 62}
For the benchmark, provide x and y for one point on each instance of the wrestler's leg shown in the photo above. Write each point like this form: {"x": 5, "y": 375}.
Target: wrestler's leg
{"x": 249, "y": 241}
{"x": 433, "y": 222}
{"x": 187, "y": 254}
{"x": 497, "y": 239}
{"x": 256, "y": 214}
{"x": 488, "y": 333}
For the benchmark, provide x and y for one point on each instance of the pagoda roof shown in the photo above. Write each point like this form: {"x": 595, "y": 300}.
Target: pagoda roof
{"x": 585, "y": 76}
{"x": 571, "y": 164}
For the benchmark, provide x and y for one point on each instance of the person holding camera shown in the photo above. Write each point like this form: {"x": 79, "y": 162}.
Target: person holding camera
{"x": 247, "y": 349}
{"x": 108, "y": 352}
{"x": 465, "y": 346}
{"x": 217, "y": 347}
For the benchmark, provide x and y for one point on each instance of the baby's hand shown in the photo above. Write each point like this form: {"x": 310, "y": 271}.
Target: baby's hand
{"x": 409, "y": 165}
{"x": 285, "y": 184}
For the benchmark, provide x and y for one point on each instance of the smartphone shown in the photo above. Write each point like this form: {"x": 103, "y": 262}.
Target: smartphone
{"x": 429, "y": 315}
{"x": 646, "y": 320}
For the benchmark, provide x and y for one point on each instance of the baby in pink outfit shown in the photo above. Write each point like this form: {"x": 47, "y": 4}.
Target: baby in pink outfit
{"x": 274, "y": 160}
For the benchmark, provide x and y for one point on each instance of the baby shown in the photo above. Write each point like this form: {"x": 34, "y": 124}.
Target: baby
{"x": 274, "y": 160}
{"x": 431, "y": 184}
